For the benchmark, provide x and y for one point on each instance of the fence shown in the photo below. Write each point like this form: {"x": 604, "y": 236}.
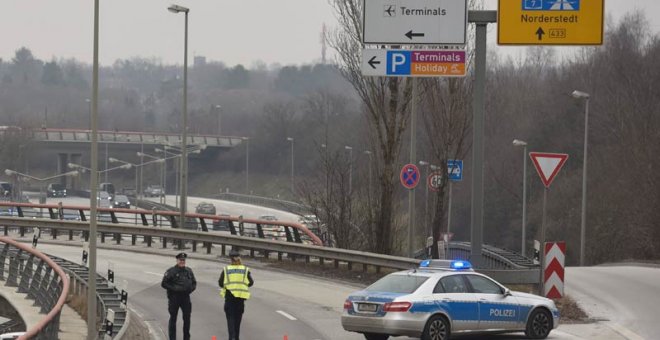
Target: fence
{"x": 41, "y": 279}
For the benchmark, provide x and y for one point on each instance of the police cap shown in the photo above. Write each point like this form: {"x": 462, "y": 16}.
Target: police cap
{"x": 181, "y": 256}
{"x": 234, "y": 253}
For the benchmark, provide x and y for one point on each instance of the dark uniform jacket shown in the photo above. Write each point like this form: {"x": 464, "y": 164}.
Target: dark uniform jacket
{"x": 179, "y": 280}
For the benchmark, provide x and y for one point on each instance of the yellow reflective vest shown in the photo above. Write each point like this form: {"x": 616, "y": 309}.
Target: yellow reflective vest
{"x": 236, "y": 280}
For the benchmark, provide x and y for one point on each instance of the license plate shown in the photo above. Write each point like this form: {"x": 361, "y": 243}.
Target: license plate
{"x": 367, "y": 307}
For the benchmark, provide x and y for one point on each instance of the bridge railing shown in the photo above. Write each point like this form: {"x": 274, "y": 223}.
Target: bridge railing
{"x": 41, "y": 279}
{"x": 261, "y": 247}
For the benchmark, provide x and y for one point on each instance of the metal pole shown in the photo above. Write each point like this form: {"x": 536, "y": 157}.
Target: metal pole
{"x": 542, "y": 241}
{"x": 92, "y": 332}
{"x": 426, "y": 199}
{"x": 350, "y": 170}
{"x": 106, "y": 162}
{"x": 524, "y": 205}
{"x": 292, "y": 180}
{"x": 583, "y": 224}
{"x": 411, "y": 192}
{"x": 184, "y": 141}
{"x": 449, "y": 220}
{"x": 139, "y": 193}
{"x": 247, "y": 166}
{"x": 481, "y": 19}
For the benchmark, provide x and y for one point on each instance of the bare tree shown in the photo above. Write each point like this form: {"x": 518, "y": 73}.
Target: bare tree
{"x": 386, "y": 104}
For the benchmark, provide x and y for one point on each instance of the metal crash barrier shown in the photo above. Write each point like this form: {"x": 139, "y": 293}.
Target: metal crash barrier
{"x": 41, "y": 279}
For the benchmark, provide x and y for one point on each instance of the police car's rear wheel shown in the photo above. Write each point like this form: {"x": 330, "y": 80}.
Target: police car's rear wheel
{"x": 539, "y": 324}
{"x": 374, "y": 336}
{"x": 436, "y": 328}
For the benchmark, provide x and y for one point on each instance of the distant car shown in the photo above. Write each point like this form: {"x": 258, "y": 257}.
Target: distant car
{"x": 271, "y": 231}
{"x": 205, "y": 208}
{"x": 56, "y": 190}
{"x": 221, "y": 225}
{"x": 154, "y": 191}
{"x": 442, "y": 298}
{"x": 121, "y": 201}
{"x": 103, "y": 199}
{"x": 131, "y": 192}
{"x": 70, "y": 215}
{"x": 5, "y": 189}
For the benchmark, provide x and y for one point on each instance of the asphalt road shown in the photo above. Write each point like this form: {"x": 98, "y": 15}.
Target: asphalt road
{"x": 626, "y": 298}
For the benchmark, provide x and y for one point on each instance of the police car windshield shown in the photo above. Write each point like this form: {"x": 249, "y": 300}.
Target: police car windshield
{"x": 398, "y": 284}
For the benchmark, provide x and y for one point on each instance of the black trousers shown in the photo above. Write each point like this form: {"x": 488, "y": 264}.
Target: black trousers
{"x": 174, "y": 302}
{"x": 234, "y": 309}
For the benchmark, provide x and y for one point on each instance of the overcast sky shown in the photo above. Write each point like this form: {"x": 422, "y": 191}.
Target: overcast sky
{"x": 236, "y": 31}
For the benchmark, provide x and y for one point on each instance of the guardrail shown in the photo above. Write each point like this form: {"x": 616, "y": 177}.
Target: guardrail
{"x": 108, "y": 297}
{"x": 40, "y": 279}
{"x": 260, "y": 247}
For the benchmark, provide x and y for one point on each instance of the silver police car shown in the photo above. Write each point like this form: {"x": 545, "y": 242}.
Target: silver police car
{"x": 442, "y": 298}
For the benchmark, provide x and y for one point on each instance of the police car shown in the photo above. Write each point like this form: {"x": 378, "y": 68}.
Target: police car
{"x": 441, "y": 298}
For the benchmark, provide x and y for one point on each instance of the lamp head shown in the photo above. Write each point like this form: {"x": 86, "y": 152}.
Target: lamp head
{"x": 10, "y": 172}
{"x": 579, "y": 95}
{"x": 348, "y": 147}
{"x": 178, "y": 9}
{"x": 423, "y": 163}
{"x": 113, "y": 160}
{"x": 518, "y": 142}
{"x": 290, "y": 139}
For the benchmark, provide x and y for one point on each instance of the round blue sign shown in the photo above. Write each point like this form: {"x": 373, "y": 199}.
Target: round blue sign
{"x": 409, "y": 176}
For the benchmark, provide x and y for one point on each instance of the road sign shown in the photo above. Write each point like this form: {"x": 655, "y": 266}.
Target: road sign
{"x": 409, "y": 176}
{"x": 550, "y": 22}
{"x": 434, "y": 180}
{"x": 548, "y": 165}
{"x": 413, "y": 63}
{"x": 455, "y": 169}
{"x": 418, "y": 22}
{"x": 553, "y": 273}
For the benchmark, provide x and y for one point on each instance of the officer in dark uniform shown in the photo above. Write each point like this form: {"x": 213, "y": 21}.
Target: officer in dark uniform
{"x": 179, "y": 281}
{"x": 235, "y": 280}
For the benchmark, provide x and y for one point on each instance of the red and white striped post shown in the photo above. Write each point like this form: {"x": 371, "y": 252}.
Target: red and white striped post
{"x": 555, "y": 255}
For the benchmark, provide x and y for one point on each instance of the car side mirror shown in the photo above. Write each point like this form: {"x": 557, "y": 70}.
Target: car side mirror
{"x": 507, "y": 292}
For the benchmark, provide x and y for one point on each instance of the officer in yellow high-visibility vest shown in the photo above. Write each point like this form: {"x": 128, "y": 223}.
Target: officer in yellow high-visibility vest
{"x": 235, "y": 280}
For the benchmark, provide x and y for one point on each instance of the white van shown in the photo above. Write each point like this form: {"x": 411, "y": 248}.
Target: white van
{"x": 103, "y": 200}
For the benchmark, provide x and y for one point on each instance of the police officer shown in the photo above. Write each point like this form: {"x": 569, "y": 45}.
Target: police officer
{"x": 179, "y": 281}
{"x": 235, "y": 280}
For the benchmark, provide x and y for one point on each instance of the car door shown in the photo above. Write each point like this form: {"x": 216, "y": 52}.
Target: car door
{"x": 497, "y": 310}
{"x": 452, "y": 294}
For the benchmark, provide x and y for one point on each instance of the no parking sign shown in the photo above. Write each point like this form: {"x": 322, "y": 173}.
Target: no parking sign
{"x": 409, "y": 176}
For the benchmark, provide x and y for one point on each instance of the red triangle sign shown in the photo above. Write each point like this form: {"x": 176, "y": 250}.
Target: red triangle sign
{"x": 548, "y": 165}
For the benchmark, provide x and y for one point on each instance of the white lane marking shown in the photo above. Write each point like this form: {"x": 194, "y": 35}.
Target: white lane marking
{"x": 627, "y": 333}
{"x": 287, "y": 315}
{"x": 152, "y": 273}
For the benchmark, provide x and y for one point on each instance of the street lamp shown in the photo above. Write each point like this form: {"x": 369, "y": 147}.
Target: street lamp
{"x": 162, "y": 172}
{"x": 426, "y": 200}
{"x": 517, "y": 142}
{"x": 350, "y": 168}
{"x": 583, "y": 225}
{"x": 247, "y": 164}
{"x": 10, "y": 173}
{"x": 217, "y": 108}
{"x": 89, "y": 104}
{"x": 184, "y": 129}
{"x": 290, "y": 139}
{"x": 193, "y": 149}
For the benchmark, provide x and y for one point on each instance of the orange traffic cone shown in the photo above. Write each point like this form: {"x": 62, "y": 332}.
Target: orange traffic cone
{"x": 285, "y": 337}
{"x": 213, "y": 337}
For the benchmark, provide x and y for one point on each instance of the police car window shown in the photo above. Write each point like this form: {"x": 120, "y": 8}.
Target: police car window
{"x": 398, "y": 284}
{"x": 483, "y": 285}
{"x": 453, "y": 284}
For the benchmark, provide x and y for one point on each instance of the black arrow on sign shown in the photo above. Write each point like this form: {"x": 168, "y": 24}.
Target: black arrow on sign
{"x": 410, "y": 34}
{"x": 540, "y": 33}
{"x": 373, "y": 62}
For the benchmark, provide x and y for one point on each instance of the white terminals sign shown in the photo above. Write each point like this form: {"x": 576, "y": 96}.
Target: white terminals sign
{"x": 417, "y": 22}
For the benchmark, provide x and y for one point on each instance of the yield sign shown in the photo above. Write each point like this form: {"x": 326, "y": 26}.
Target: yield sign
{"x": 548, "y": 165}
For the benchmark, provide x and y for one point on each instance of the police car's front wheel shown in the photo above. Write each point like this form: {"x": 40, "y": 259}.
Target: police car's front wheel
{"x": 437, "y": 328}
{"x": 539, "y": 324}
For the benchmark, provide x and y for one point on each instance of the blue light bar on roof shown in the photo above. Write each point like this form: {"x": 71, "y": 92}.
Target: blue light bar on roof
{"x": 460, "y": 265}
{"x": 424, "y": 264}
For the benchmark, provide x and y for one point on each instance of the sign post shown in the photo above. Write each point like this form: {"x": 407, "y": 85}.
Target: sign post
{"x": 550, "y": 22}
{"x": 454, "y": 174}
{"x": 547, "y": 165}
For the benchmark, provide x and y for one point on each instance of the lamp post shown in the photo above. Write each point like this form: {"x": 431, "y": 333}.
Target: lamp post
{"x": 192, "y": 149}
{"x": 247, "y": 165}
{"x": 89, "y": 104}
{"x": 426, "y": 200}
{"x": 350, "y": 168}
{"x": 583, "y": 225}
{"x": 517, "y": 142}
{"x": 217, "y": 108}
{"x": 184, "y": 130}
{"x": 162, "y": 171}
{"x": 290, "y": 139}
